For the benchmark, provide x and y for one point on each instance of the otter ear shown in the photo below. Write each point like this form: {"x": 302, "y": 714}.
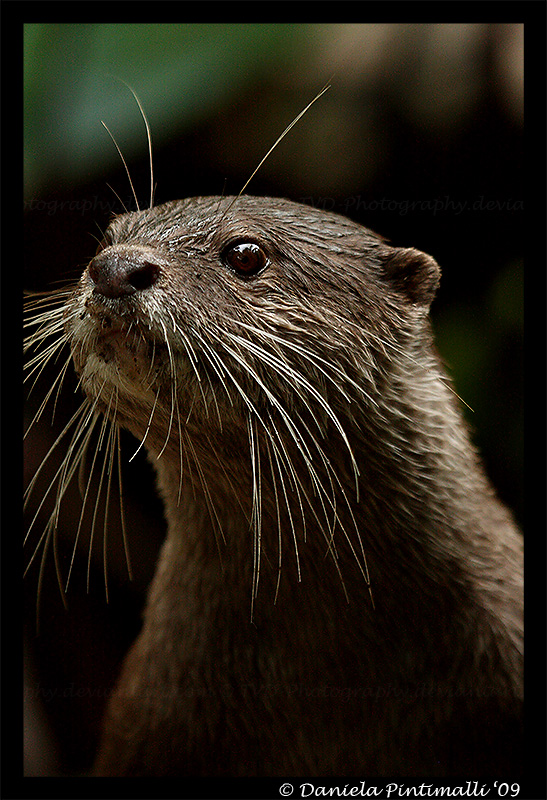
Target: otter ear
{"x": 412, "y": 273}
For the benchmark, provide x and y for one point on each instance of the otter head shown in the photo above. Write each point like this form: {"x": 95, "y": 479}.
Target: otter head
{"x": 205, "y": 299}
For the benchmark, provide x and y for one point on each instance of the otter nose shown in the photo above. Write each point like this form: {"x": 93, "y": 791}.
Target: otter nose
{"x": 118, "y": 273}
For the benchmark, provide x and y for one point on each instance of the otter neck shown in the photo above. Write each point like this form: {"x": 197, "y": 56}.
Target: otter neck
{"x": 412, "y": 477}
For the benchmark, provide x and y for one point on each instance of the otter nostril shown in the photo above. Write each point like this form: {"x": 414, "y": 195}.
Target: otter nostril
{"x": 116, "y": 274}
{"x": 143, "y": 276}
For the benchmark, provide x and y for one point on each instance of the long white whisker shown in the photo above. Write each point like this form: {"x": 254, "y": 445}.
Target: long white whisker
{"x": 55, "y": 388}
{"x": 121, "y": 499}
{"x": 213, "y": 514}
{"x": 278, "y": 515}
{"x": 327, "y": 369}
{"x": 78, "y": 462}
{"x": 83, "y": 409}
{"x": 290, "y": 472}
{"x": 105, "y": 423}
{"x": 299, "y": 382}
{"x": 256, "y": 513}
{"x": 149, "y": 140}
{"x": 279, "y": 138}
{"x": 124, "y": 163}
{"x": 148, "y": 426}
{"x": 173, "y": 389}
{"x": 301, "y": 385}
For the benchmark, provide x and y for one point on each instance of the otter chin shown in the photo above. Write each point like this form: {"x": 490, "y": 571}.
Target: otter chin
{"x": 340, "y": 590}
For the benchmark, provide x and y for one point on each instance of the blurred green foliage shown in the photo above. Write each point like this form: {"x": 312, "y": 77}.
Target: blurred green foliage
{"x": 180, "y": 73}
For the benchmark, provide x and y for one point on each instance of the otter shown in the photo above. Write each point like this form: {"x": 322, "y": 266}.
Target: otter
{"x": 340, "y": 590}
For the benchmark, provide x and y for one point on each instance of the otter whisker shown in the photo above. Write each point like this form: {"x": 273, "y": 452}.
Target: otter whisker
{"x": 44, "y": 315}
{"x": 50, "y": 324}
{"x": 301, "y": 385}
{"x": 40, "y": 361}
{"x": 219, "y": 369}
{"x": 173, "y": 386}
{"x": 54, "y": 388}
{"x": 148, "y": 139}
{"x": 110, "y": 452}
{"x": 278, "y": 516}
{"x": 273, "y": 400}
{"x": 330, "y": 371}
{"x": 279, "y": 138}
{"x": 297, "y": 437}
{"x": 48, "y": 533}
{"x": 84, "y": 408}
{"x": 148, "y": 426}
{"x": 174, "y": 401}
{"x": 148, "y": 380}
{"x": 213, "y": 514}
{"x": 61, "y": 480}
{"x": 105, "y": 424}
{"x": 271, "y": 432}
{"x": 124, "y": 163}
{"x": 299, "y": 382}
{"x": 121, "y": 501}
{"x": 107, "y": 460}
{"x": 299, "y": 487}
{"x": 323, "y": 494}
{"x": 291, "y": 474}
{"x": 36, "y": 339}
{"x": 191, "y": 356}
{"x": 181, "y": 450}
{"x": 293, "y": 430}
{"x": 256, "y": 513}
{"x": 79, "y": 461}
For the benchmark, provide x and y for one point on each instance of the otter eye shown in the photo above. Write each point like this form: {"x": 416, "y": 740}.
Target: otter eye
{"x": 246, "y": 258}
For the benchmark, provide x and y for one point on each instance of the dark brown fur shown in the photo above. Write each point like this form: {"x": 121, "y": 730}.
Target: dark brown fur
{"x": 334, "y": 457}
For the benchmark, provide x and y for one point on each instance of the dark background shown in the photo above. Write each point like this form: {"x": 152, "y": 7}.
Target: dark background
{"x": 419, "y": 138}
